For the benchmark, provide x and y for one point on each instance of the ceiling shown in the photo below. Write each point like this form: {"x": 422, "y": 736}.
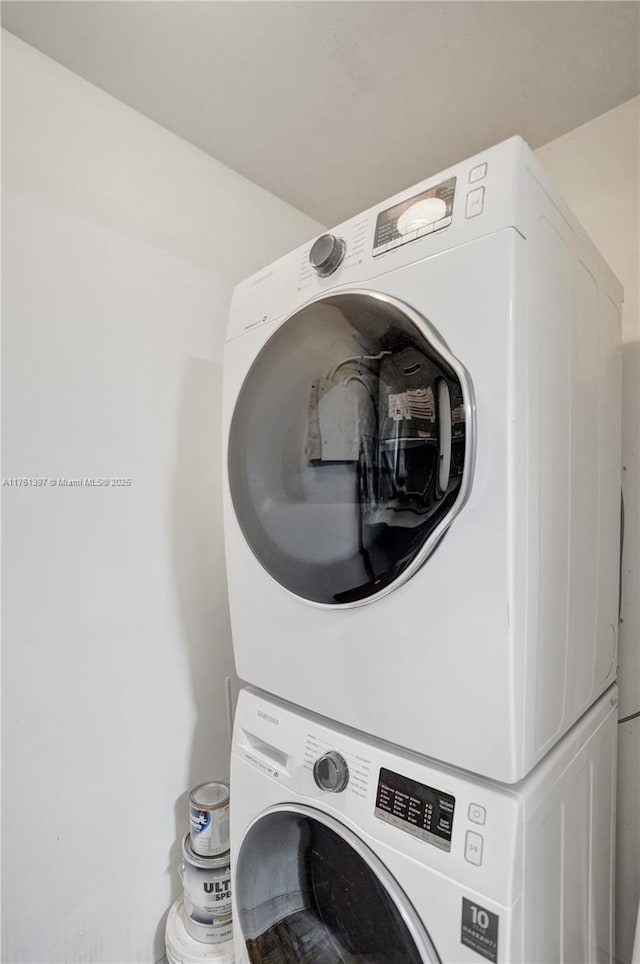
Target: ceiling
{"x": 333, "y": 106}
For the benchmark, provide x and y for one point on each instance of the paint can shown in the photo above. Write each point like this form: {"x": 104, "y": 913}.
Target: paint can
{"x": 181, "y": 948}
{"x": 205, "y": 928}
{"x": 209, "y": 818}
{"x": 206, "y": 881}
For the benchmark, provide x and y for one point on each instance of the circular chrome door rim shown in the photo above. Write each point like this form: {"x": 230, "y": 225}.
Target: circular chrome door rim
{"x": 433, "y": 338}
{"x": 403, "y": 905}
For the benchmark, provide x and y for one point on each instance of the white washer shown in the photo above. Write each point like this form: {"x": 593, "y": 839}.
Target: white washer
{"x": 452, "y": 385}
{"x": 412, "y": 862}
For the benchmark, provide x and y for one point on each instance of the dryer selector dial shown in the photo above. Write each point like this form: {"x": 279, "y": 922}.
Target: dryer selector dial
{"x": 326, "y": 254}
{"x": 331, "y": 772}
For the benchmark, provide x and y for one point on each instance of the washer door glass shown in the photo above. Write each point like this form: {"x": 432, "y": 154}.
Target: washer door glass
{"x": 308, "y": 891}
{"x": 349, "y": 448}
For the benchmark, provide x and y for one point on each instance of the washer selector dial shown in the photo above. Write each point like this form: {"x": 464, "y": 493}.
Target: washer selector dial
{"x": 326, "y": 254}
{"x": 331, "y": 772}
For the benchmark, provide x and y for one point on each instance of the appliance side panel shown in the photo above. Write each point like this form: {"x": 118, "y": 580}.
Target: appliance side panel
{"x": 586, "y": 448}
{"x": 569, "y": 849}
{"x": 610, "y": 492}
{"x": 534, "y": 170}
{"x": 576, "y": 903}
{"x": 602, "y": 849}
{"x": 549, "y": 434}
{"x": 544, "y": 870}
{"x": 574, "y": 456}
{"x": 522, "y": 497}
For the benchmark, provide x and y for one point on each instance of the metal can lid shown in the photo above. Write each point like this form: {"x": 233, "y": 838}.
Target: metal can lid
{"x": 210, "y": 796}
{"x": 199, "y": 860}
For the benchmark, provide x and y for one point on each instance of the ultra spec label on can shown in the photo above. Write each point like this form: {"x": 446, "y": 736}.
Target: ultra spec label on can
{"x": 479, "y": 930}
{"x": 209, "y": 890}
{"x": 206, "y": 881}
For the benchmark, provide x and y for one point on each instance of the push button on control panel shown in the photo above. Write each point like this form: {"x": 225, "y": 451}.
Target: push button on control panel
{"x": 473, "y": 845}
{"x": 477, "y": 173}
{"x": 475, "y": 203}
{"x": 477, "y": 814}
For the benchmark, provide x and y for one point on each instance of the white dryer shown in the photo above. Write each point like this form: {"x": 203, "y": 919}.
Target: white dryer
{"x": 422, "y": 469}
{"x": 346, "y": 850}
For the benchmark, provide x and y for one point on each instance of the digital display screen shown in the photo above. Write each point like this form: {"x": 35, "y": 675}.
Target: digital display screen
{"x": 387, "y": 229}
{"x": 422, "y": 811}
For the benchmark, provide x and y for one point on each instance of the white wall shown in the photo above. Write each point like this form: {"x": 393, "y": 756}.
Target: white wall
{"x": 121, "y": 246}
{"x": 597, "y": 168}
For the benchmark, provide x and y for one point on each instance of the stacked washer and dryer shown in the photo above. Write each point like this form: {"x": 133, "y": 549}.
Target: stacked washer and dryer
{"x": 422, "y": 519}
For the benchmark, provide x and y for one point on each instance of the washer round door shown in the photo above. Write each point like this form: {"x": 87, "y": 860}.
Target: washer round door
{"x": 350, "y": 448}
{"x": 308, "y": 891}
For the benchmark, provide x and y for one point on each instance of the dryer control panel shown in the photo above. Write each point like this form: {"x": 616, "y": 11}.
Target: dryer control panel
{"x": 468, "y": 201}
{"x": 414, "y": 218}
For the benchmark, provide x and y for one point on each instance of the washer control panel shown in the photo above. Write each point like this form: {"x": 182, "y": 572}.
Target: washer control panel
{"x": 422, "y": 811}
{"x": 414, "y": 218}
{"x": 460, "y": 826}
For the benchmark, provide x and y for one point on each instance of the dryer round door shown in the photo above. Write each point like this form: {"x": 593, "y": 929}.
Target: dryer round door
{"x": 350, "y": 448}
{"x": 308, "y": 891}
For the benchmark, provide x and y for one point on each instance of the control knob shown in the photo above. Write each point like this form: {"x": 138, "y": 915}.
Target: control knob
{"x": 326, "y": 254}
{"x": 331, "y": 772}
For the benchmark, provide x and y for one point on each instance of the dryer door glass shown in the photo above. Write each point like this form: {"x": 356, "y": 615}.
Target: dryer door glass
{"x": 308, "y": 891}
{"x": 350, "y": 448}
